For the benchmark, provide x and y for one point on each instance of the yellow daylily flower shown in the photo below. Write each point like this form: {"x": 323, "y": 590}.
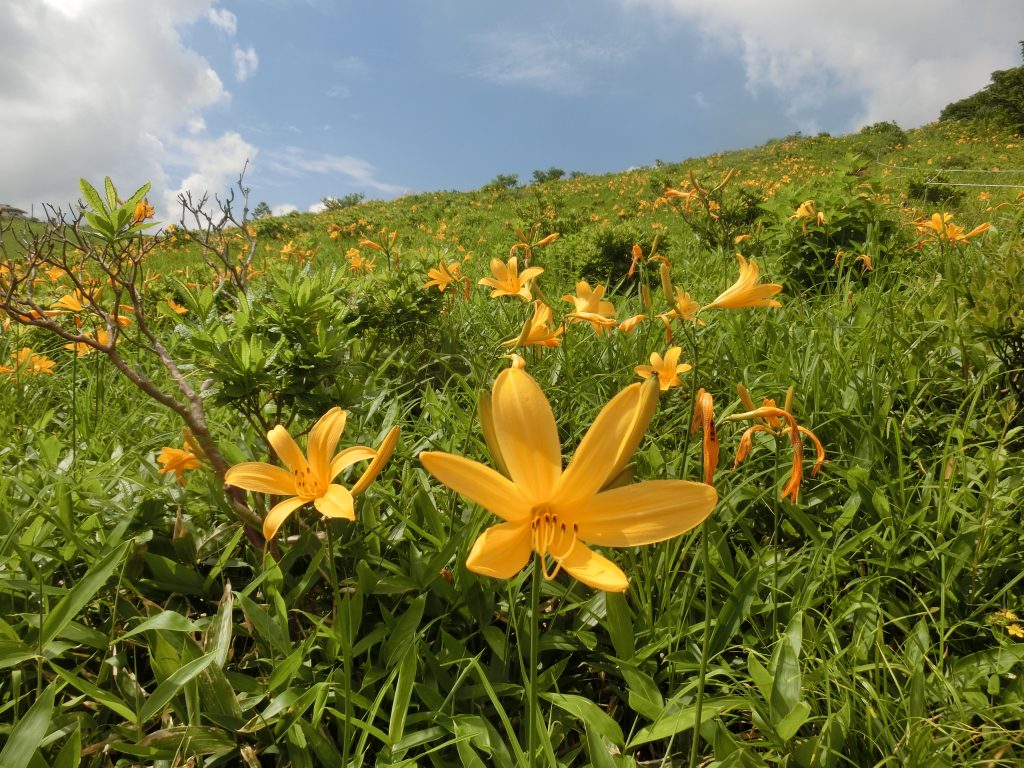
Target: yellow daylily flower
{"x": 747, "y": 291}
{"x": 667, "y": 369}
{"x": 81, "y": 348}
{"x": 177, "y": 460}
{"x": 941, "y": 224}
{"x": 311, "y": 479}
{"x": 552, "y": 511}
{"x": 590, "y": 306}
{"x": 27, "y": 362}
{"x": 444, "y": 275}
{"x": 630, "y": 324}
{"x": 537, "y": 331}
{"x": 508, "y": 281}
{"x": 176, "y": 307}
{"x": 143, "y": 211}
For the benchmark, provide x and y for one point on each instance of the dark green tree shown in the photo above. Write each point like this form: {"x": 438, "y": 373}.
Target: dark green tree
{"x": 1001, "y": 101}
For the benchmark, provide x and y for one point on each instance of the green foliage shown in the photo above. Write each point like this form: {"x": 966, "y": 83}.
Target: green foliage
{"x": 551, "y": 174}
{"x": 346, "y": 201}
{"x": 261, "y": 211}
{"x": 935, "y": 190}
{"x": 502, "y": 181}
{"x": 604, "y": 254}
{"x": 815, "y": 254}
{"x": 112, "y": 219}
{"x": 1000, "y": 102}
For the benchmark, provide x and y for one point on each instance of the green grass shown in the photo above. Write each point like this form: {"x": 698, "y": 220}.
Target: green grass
{"x": 860, "y": 627}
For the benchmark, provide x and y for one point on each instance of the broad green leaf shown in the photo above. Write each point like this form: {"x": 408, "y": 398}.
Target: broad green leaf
{"x": 70, "y": 755}
{"x": 169, "y": 688}
{"x": 785, "y": 670}
{"x": 97, "y": 694}
{"x": 619, "y": 623}
{"x": 734, "y": 612}
{"x": 92, "y": 197}
{"x": 403, "y": 695}
{"x": 191, "y": 740}
{"x": 593, "y": 717}
{"x": 111, "y": 191}
{"x": 218, "y": 634}
{"x": 644, "y": 696}
{"x": 683, "y": 720}
{"x": 82, "y": 593}
{"x": 136, "y": 197}
{"x": 13, "y": 652}
{"x": 787, "y": 727}
{"x": 28, "y": 732}
{"x": 172, "y": 621}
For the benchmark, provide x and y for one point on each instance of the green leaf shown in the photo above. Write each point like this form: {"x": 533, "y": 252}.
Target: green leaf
{"x": 97, "y": 694}
{"x": 594, "y": 718}
{"x": 403, "y": 695}
{"x": 83, "y": 592}
{"x": 28, "y": 732}
{"x": 172, "y": 621}
{"x": 92, "y": 197}
{"x": 70, "y": 755}
{"x": 787, "y": 727}
{"x": 13, "y": 652}
{"x": 191, "y": 740}
{"x": 619, "y": 623}
{"x": 169, "y": 688}
{"x": 734, "y": 612}
{"x": 644, "y": 696}
{"x": 683, "y": 720}
{"x": 785, "y": 670}
{"x": 108, "y": 185}
{"x": 137, "y": 197}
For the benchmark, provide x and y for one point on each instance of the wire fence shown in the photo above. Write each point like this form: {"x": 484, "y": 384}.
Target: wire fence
{"x": 936, "y": 177}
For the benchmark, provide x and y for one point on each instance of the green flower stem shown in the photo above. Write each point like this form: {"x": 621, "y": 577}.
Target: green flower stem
{"x": 705, "y": 550}
{"x": 346, "y": 644}
{"x": 533, "y": 718}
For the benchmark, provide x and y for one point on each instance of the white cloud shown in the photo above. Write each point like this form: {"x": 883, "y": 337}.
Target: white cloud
{"x": 223, "y": 19}
{"x": 904, "y": 60}
{"x": 550, "y": 62}
{"x": 317, "y": 207}
{"x": 283, "y": 209}
{"x": 295, "y": 161}
{"x": 246, "y": 62}
{"x": 215, "y": 163}
{"x": 96, "y": 87}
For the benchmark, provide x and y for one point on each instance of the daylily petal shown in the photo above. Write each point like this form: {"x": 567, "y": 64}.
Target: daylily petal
{"x": 643, "y": 513}
{"x": 594, "y": 570}
{"x": 348, "y": 457}
{"x": 487, "y": 426}
{"x": 383, "y": 453}
{"x": 286, "y": 449}
{"x": 608, "y": 444}
{"x": 501, "y": 551}
{"x": 278, "y": 515}
{"x": 323, "y": 439}
{"x": 525, "y": 428}
{"x": 262, "y": 478}
{"x": 337, "y": 502}
{"x": 479, "y": 483}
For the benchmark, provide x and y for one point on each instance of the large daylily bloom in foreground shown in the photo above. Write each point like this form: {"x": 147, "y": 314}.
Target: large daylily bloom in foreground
{"x": 553, "y": 511}
{"x": 311, "y": 479}
{"x": 747, "y": 291}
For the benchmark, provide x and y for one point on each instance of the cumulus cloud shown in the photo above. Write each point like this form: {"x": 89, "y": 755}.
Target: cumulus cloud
{"x": 904, "y": 61}
{"x": 283, "y": 209}
{"x": 550, "y": 62}
{"x": 317, "y": 207}
{"x": 94, "y": 87}
{"x": 294, "y": 161}
{"x": 246, "y": 62}
{"x": 223, "y": 19}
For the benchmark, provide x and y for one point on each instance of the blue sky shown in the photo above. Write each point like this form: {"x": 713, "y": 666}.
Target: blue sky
{"x": 388, "y": 97}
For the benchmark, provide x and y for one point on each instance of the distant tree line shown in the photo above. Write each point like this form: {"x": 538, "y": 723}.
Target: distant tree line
{"x": 1001, "y": 101}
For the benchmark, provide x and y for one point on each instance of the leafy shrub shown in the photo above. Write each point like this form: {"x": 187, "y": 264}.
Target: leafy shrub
{"x": 604, "y": 254}
{"x": 551, "y": 174}
{"x": 502, "y": 181}
{"x": 854, "y": 222}
{"x": 340, "y": 203}
{"x": 935, "y": 189}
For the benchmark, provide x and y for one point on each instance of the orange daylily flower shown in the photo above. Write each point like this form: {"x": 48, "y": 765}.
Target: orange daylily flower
{"x": 177, "y": 460}
{"x": 444, "y": 275}
{"x": 28, "y": 362}
{"x": 704, "y": 418}
{"x": 772, "y": 418}
{"x": 143, "y": 211}
{"x": 509, "y": 281}
{"x": 537, "y": 331}
{"x": 747, "y": 291}
{"x": 81, "y": 348}
{"x": 590, "y": 306}
{"x": 667, "y": 368}
{"x": 941, "y": 224}
{"x": 556, "y": 512}
{"x": 630, "y": 324}
{"x": 311, "y": 479}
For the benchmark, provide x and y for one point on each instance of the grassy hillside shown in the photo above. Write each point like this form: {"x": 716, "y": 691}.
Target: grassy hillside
{"x": 867, "y": 617}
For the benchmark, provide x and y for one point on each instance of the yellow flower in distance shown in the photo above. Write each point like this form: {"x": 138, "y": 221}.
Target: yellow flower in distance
{"x": 747, "y": 291}
{"x": 27, "y": 362}
{"x": 552, "y": 511}
{"x": 311, "y": 479}
{"x": 177, "y": 460}
{"x": 537, "y": 331}
{"x": 508, "y": 281}
{"x": 667, "y": 369}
